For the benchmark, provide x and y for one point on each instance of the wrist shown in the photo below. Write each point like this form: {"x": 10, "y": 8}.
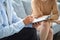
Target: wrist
{"x": 25, "y": 22}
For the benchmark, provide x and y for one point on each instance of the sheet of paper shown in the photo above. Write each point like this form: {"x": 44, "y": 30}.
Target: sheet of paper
{"x": 41, "y": 19}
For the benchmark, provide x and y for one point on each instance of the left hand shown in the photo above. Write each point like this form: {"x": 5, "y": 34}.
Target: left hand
{"x": 36, "y": 25}
{"x": 57, "y": 21}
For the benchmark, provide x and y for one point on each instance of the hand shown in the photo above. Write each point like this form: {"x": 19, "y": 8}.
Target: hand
{"x": 36, "y": 25}
{"x": 28, "y": 20}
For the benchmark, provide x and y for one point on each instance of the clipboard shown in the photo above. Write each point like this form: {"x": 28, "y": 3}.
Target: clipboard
{"x": 43, "y": 18}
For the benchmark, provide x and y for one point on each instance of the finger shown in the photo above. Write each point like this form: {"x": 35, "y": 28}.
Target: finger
{"x": 30, "y": 19}
{"x": 36, "y": 24}
{"x": 30, "y": 16}
{"x": 39, "y": 23}
{"x": 33, "y": 23}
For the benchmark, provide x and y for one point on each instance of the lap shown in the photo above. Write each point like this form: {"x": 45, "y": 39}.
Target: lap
{"x": 24, "y": 34}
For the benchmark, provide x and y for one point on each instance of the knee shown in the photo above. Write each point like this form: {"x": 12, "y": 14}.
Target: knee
{"x": 51, "y": 31}
{"x": 29, "y": 30}
{"x": 32, "y": 31}
{"x": 46, "y": 25}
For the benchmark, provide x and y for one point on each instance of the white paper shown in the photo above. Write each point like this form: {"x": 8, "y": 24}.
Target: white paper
{"x": 41, "y": 19}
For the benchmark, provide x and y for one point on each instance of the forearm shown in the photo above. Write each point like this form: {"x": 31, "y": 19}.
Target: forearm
{"x": 55, "y": 14}
{"x": 54, "y": 17}
{"x": 11, "y": 29}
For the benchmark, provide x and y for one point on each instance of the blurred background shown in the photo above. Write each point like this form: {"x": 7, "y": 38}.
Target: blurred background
{"x": 58, "y": 0}
{"x": 58, "y": 3}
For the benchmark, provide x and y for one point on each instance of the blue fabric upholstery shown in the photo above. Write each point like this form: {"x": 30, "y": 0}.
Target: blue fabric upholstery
{"x": 19, "y": 8}
{"x": 27, "y": 6}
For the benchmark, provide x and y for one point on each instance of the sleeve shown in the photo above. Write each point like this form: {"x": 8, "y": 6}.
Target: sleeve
{"x": 55, "y": 14}
{"x": 8, "y": 30}
{"x": 11, "y": 29}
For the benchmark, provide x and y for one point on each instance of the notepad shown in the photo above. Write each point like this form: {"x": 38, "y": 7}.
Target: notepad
{"x": 41, "y": 19}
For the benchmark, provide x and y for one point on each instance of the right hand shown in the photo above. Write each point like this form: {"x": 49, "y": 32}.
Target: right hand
{"x": 28, "y": 20}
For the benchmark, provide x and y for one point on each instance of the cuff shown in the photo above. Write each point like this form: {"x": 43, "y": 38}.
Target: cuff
{"x": 20, "y": 25}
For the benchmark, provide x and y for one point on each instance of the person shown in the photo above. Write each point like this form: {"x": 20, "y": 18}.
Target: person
{"x": 12, "y": 27}
{"x": 43, "y": 8}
